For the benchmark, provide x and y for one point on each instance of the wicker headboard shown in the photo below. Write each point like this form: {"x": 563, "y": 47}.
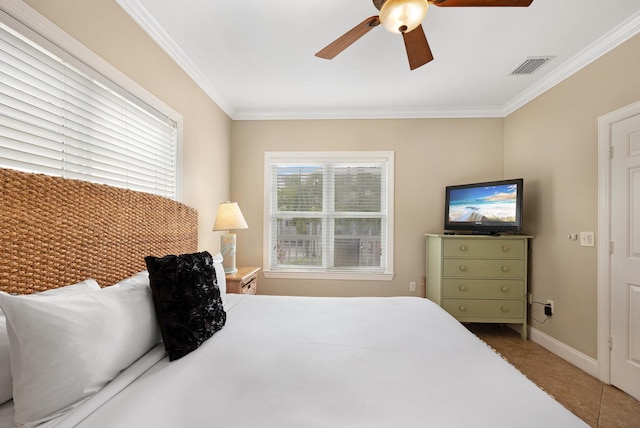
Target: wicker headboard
{"x": 56, "y": 231}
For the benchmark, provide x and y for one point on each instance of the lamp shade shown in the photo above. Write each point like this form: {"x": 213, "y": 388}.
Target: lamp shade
{"x": 402, "y": 16}
{"x": 229, "y": 217}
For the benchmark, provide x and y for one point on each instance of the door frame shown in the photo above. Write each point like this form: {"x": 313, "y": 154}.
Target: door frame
{"x": 605, "y": 122}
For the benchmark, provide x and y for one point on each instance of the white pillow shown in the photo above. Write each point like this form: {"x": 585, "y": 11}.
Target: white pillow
{"x": 6, "y": 380}
{"x": 80, "y": 287}
{"x": 68, "y": 347}
{"x": 222, "y": 280}
{"x": 140, "y": 279}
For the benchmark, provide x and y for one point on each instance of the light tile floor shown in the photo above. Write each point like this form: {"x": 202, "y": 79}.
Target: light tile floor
{"x": 599, "y": 405}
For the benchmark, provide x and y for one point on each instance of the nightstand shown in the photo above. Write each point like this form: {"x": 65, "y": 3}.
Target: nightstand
{"x": 245, "y": 281}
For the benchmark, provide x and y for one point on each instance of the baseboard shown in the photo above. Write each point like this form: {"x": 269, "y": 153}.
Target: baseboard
{"x": 577, "y": 358}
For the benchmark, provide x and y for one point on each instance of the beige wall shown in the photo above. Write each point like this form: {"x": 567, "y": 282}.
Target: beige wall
{"x": 429, "y": 154}
{"x": 107, "y": 30}
{"x": 552, "y": 142}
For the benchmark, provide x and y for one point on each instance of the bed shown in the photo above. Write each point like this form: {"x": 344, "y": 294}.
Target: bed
{"x": 274, "y": 361}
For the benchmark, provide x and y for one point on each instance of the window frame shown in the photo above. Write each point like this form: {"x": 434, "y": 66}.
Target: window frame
{"x": 271, "y": 158}
{"x": 24, "y": 20}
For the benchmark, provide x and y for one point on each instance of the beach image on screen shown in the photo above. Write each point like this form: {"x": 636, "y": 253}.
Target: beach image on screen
{"x": 483, "y": 204}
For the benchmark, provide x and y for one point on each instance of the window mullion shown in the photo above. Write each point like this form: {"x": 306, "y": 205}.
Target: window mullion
{"x": 328, "y": 192}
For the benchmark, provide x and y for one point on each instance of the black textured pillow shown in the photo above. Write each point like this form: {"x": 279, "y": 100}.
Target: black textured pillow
{"x": 187, "y": 300}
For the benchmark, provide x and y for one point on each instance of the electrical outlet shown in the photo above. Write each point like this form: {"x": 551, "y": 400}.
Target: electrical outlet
{"x": 587, "y": 239}
{"x": 412, "y": 286}
{"x": 550, "y": 306}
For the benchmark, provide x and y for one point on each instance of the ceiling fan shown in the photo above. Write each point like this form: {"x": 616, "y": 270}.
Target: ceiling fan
{"x": 405, "y": 17}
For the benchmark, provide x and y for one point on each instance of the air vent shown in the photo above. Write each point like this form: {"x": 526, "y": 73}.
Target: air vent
{"x": 531, "y": 64}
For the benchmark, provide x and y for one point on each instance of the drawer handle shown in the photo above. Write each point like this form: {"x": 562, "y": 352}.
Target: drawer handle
{"x": 463, "y": 268}
{"x": 462, "y": 308}
{"x": 504, "y": 289}
{"x": 463, "y": 248}
{"x": 462, "y": 287}
{"x": 505, "y": 248}
{"x": 504, "y": 309}
{"x": 505, "y": 268}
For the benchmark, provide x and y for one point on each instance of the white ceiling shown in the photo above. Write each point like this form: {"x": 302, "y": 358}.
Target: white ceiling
{"x": 256, "y": 60}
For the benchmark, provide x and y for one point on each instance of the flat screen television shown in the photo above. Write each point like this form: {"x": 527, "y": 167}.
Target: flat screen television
{"x": 484, "y": 208}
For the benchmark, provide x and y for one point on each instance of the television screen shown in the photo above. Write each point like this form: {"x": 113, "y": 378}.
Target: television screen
{"x": 490, "y": 207}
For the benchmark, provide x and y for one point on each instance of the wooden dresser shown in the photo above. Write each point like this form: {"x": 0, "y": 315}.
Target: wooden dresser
{"x": 479, "y": 278}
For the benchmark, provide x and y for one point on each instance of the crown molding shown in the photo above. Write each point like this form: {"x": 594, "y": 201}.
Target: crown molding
{"x": 152, "y": 27}
{"x": 603, "y": 45}
{"x": 298, "y": 114}
{"x": 142, "y": 17}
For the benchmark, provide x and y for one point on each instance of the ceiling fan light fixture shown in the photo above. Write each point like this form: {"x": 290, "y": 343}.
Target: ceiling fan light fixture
{"x": 402, "y": 16}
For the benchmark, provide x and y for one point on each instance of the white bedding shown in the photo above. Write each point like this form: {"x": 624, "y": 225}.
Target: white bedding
{"x": 326, "y": 362}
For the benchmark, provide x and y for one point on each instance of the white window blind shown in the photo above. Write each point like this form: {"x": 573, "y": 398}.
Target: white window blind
{"x": 61, "y": 121}
{"x": 329, "y": 212}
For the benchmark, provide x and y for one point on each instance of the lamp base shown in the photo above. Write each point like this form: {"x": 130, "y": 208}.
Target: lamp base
{"x": 228, "y": 251}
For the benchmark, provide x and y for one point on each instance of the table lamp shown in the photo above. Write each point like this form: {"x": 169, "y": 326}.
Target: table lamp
{"x": 229, "y": 217}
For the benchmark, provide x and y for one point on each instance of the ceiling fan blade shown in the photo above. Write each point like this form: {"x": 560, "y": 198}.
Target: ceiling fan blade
{"x": 348, "y": 38}
{"x": 481, "y": 3}
{"x": 418, "y": 50}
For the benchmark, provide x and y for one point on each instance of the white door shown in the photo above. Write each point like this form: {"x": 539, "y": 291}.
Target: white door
{"x": 625, "y": 259}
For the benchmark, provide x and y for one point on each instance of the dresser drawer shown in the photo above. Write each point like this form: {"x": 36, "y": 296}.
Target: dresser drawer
{"x": 462, "y": 308}
{"x": 483, "y": 288}
{"x": 483, "y": 268}
{"x": 250, "y": 287}
{"x": 493, "y": 248}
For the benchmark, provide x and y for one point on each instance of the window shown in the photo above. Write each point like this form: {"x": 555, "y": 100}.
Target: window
{"x": 329, "y": 215}
{"x": 61, "y": 117}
